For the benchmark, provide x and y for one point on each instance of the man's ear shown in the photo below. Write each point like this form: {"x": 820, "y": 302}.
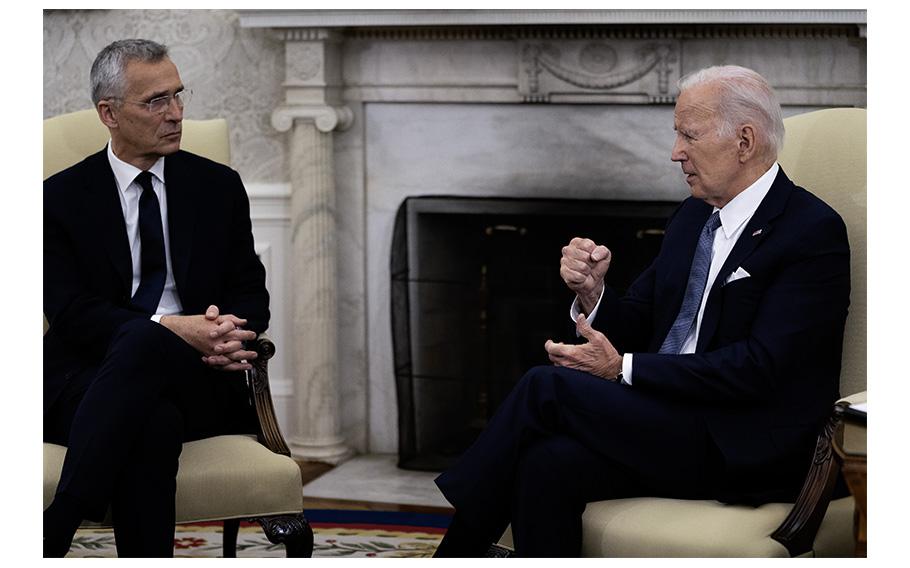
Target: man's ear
{"x": 107, "y": 113}
{"x": 747, "y": 148}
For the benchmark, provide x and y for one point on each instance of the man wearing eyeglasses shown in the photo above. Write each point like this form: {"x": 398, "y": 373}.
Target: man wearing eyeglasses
{"x": 151, "y": 288}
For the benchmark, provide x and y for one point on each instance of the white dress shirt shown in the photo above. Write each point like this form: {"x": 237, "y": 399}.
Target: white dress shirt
{"x": 129, "y": 191}
{"x": 734, "y": 217}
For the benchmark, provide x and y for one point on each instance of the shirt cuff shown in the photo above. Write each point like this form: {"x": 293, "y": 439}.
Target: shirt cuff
{"x": 157, "y": 318}
{"x": 627, "y": 369}
{"x": 574, "y": 311}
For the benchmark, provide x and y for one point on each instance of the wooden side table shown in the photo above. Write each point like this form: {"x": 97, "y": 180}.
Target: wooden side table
{"x": 850, "y": 449}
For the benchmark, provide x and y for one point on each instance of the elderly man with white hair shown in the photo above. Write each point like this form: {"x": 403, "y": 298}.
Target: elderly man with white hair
{"x": 710, "y": 378}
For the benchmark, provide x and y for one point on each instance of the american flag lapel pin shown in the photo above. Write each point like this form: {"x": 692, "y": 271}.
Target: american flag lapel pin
{"x": 756, "y": 233}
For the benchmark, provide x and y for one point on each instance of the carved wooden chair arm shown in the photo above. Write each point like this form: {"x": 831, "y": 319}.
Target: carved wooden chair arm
{"x": 797, "y": 532}
{"x": 269, "y": 434}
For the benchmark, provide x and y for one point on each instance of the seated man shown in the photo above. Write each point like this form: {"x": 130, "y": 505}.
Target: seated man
{"x": 710, "y": 379}
{"x": 151, "y": 288}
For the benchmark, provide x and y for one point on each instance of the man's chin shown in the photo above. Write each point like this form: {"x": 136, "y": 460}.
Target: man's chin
{"x": 696, "y": 190}
{"x": 169, "y": 145}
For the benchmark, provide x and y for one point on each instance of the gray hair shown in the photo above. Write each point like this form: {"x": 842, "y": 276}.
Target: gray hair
{"x": 745, "y": 97}
{"x": 108, "y": 75}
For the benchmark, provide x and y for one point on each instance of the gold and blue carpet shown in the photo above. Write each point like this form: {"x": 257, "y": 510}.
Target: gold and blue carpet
{"x": 338, "y": 533}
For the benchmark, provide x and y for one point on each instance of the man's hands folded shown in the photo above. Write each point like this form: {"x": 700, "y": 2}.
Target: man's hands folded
{"x": 218, "y": 337}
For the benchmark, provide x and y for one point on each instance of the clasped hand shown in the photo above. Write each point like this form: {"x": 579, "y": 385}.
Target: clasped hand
{"x": 583, "y": 266}
{"x": 218, "y": 337}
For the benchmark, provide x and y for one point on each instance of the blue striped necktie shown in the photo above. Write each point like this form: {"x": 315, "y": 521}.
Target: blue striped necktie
{"x": 695, "y": 288}
{"x": 153, "y": 268}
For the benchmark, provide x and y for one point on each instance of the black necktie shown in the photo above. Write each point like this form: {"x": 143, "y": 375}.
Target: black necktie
{"x": 151, "y": 238}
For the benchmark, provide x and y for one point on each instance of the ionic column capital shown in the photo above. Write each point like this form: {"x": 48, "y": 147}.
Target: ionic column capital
{"x": 326, "y": 117}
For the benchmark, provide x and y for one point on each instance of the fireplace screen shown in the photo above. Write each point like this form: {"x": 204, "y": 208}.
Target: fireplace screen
{"x": 475, "y": 294}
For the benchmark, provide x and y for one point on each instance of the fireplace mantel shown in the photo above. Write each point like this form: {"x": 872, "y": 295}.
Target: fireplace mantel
{"x": 383, "y": 18}
{"x": 386, "y": 104}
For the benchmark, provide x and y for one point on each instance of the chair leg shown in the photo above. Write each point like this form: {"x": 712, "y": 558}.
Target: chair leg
{"x": 229, "y": 540}
{"x": 293, "y": 531}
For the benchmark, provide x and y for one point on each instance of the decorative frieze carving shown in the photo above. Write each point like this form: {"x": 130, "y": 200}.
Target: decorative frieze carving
{"x": 305, "y": 34}
{"x": 628, "y": 71}
{"x": 312, "y": 61}
{"x": 304, "y": 61}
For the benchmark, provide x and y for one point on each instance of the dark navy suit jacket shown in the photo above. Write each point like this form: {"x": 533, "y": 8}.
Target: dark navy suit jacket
{"x": 767, "y": 365}
{"x": 88, "y": 268}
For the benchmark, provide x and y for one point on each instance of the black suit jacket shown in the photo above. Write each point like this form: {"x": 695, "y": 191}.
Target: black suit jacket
{"x": 88, "y": 269}
{"x": 767, "y": 365}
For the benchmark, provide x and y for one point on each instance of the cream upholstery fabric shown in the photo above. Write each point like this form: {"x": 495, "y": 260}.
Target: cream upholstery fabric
{"x": 675, "y": 528}
{"x": 70, "y": 138}
{"x": 222, "y": 477}
{"x": 672, "y": 528}
{"x": 825, "y": 152}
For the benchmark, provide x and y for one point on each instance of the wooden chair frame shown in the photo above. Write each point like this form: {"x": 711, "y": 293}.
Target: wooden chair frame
{"x": 293, "y": 531}
{"x": 797, "y": 532}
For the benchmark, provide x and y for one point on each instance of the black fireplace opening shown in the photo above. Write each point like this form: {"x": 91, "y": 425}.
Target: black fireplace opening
{"x": 475, "y": 294}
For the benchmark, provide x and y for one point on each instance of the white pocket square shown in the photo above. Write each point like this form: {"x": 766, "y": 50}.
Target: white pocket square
{"x": 737, "y": 275}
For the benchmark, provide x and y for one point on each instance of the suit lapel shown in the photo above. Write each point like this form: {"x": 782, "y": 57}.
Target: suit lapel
{"x": 181, "y": 216}
{"x": 105, "y": 209}
{"x": 755, "y": 232}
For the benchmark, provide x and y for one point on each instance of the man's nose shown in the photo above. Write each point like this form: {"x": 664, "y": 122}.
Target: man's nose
{"x": 174, "y": 110}
{"x": 677, "y": 154}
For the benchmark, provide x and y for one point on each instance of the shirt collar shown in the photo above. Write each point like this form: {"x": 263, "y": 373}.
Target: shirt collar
{"x": 126, "y": 173}
{"x": 743, "y": 206}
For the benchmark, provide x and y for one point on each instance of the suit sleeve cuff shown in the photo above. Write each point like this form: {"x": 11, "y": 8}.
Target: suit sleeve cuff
{"x": 627, "y": 369}
{"x": 574, "y": 311}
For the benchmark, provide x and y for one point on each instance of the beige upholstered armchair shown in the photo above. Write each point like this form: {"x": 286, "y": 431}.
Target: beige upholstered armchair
{"x": 825, "y": 152}
{"x": 227, "y": 478}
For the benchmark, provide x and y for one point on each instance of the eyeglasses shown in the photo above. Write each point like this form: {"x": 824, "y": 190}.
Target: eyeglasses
{"x": 159, "y": 105}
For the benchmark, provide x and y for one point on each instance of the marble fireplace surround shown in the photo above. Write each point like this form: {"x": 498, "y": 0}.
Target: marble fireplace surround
{"x": 381, "y": 105}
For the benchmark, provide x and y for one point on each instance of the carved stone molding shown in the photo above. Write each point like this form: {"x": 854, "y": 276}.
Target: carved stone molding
{"x": 306, "y": 34}
{"x": 326, "y": 118}
{"x": 640, "y": 71}
{"x": 494, "y": 17}
{"x": 600, "y": 32}
{"x": 303, "y": 63}
{"x": 311, "y": 58}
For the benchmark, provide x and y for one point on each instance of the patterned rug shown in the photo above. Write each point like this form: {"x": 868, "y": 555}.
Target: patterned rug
{"x": 338, "y": 533}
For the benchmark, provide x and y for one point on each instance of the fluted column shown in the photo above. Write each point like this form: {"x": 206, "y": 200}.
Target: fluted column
{"x": 310, "y": 118}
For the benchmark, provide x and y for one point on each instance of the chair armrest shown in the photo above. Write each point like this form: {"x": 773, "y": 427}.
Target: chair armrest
{"x": 797, "y": 532}
{"x": 854, "y": 398}
{"x": 269, "y": 434}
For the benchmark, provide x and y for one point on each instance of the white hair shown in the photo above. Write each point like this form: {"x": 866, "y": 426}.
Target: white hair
{"x": 745, "y": 97}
